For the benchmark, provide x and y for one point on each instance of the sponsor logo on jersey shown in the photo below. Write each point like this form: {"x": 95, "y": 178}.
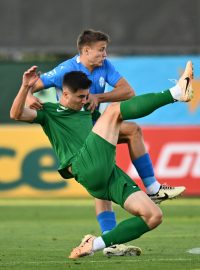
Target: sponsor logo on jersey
{"x": 58, "y": 110}
{"x": 62, "y": 108}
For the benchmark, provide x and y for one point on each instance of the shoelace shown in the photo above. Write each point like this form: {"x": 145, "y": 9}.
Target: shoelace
{"x": 166, "y": 187}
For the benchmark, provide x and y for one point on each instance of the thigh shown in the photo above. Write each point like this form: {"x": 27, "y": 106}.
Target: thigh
{"x": 93, "y": 165}
{"x": 121, "y": 186}
{"x": 108, "y": 125}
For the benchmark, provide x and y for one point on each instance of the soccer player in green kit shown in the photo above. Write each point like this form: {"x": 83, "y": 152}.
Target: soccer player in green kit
{"x": 87, "y": 152}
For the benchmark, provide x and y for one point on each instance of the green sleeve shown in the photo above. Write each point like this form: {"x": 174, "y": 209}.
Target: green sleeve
{"x": 39, "y": 118}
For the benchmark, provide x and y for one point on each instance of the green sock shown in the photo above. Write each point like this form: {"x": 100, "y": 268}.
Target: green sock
{"x": 125, "y": 231}
{"x": 143, "y": 105}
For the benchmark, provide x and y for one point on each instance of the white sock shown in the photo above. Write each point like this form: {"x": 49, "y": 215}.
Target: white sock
{"x": 153, "y": 188}
{"x": 176, "y": 92}
{"x": 98, "y": 244}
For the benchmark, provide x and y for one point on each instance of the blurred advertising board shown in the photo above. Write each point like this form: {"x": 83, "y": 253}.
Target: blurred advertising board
{"x": 175, "y": 153}
{"x": 28, "y": 165}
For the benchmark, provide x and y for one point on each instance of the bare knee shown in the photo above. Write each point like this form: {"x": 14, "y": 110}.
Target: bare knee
{"x": 139, "y": 204}
{"x": 130, "y": 132}
{"x": 113, "y": 108}
{"x": 135, "y": 131}
{"x": 113, "y": 111}
{"x": 153, "y": 218}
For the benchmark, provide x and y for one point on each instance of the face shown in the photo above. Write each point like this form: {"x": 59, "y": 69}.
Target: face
{"x": 96, "y": 53}
{"x": 76, "y": 100}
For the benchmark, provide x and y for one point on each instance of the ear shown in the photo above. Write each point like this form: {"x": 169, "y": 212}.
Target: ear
{"x": 65, "y": 92}
{"x": 86, "y": 49}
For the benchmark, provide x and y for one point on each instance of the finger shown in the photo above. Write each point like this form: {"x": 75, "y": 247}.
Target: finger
{"x": 36, "y": 106}
{"x": 32, "y": 69}
{"x": 40, "y": 101}
{"x": 91, "y": 107}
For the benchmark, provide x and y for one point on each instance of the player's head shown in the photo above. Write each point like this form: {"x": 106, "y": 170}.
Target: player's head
{"x": 89, "y": 37}
{"x": 92, "y": 46}
{"x": 75, "y": 89}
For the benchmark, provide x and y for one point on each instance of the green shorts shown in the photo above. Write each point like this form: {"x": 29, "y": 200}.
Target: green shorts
{"x": 94, "y": 167}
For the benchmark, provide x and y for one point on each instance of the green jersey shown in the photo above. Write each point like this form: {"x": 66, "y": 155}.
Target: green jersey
{"x": 66, "y": 129}
{"x": 91, "y": 157}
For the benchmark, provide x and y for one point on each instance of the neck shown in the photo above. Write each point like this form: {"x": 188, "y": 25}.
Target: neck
{"x": 65, "y": 106}
{"x": 86, "y": 63}
{"x": 63, "y": 102}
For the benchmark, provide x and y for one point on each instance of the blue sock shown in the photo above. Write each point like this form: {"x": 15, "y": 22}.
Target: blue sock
{"x": 145, "y": 170}
{"x": 107, "y": 221}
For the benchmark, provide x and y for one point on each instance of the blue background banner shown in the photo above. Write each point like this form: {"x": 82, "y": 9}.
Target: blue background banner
{"x": 156, "y": 73}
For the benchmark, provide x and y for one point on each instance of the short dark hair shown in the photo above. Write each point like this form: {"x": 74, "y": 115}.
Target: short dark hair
{"x": 90, "y": 36}
{"x": 76, "y": 80}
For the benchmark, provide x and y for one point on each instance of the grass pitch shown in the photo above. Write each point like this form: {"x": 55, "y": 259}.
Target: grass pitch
{"x": 39, "y": 234}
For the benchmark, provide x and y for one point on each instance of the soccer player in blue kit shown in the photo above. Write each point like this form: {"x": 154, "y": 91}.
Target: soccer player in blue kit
{"x": 92, "y": 60}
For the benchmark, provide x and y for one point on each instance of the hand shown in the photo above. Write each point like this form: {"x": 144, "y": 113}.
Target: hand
{"x": 93, "y": 102}
{"x": 33, "y": 102}
{"x": 30, "y": 77}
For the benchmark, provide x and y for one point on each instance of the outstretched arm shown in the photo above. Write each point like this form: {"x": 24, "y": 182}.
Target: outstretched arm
{"x": 121, "y": 91}
{"x": 18, "y": 111}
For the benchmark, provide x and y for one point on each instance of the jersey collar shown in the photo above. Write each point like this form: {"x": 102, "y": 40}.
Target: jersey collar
{"x": 61, "y": 107}
{"x": 84, "y": 68}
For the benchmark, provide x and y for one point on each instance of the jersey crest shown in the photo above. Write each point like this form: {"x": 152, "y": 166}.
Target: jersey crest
{"x": 101, "y": 82}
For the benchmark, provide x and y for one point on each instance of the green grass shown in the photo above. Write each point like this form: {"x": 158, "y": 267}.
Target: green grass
{"x": 39, "y": 234}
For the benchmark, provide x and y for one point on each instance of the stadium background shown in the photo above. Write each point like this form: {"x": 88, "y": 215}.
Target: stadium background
{"x": 151, "y": 42}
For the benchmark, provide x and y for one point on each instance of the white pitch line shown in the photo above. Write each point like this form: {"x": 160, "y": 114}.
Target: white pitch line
{"x": 100, "y": 261}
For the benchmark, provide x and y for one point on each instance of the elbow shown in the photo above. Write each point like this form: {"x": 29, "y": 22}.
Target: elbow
{"x": 14, "y": 116}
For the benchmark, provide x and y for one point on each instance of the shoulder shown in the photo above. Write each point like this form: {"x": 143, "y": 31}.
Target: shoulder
{"x": 49, "y": 110}
{"x": 107, "y": 62}
{"x": 108, "y": 66}
{"x": 69, "y": 64}
{"x": 48, "y": 106}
